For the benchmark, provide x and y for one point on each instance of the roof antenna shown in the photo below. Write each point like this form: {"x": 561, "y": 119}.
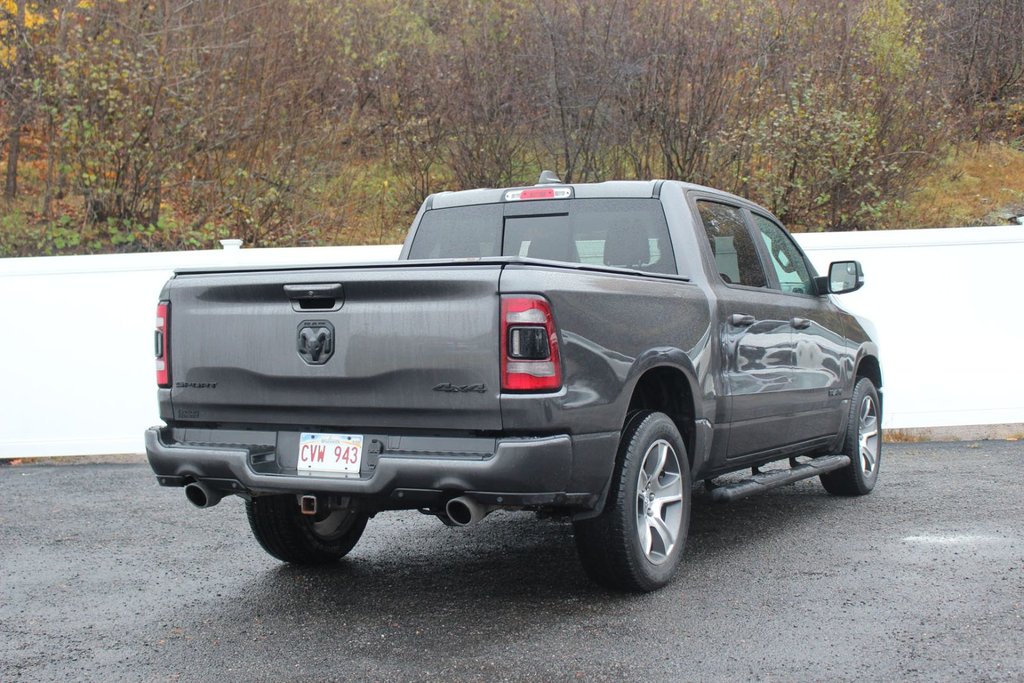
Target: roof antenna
{"x": 548, "y": 178}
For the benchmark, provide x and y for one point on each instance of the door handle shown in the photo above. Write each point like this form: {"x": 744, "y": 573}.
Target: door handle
{"x": 741, "y": 320}
{"x": 800, "y": 323}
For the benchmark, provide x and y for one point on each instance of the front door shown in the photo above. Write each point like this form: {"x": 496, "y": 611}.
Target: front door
{"x": 819, "y": 346}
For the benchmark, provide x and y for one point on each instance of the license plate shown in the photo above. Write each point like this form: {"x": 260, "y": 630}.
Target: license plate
{"x": 340, "y": 453}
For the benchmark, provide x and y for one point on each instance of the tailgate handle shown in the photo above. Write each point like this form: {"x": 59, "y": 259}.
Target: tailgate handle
{"x": 318, "y": 296}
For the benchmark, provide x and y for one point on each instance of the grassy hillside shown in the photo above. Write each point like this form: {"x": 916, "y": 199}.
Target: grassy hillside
{"x": 975, "y": 185}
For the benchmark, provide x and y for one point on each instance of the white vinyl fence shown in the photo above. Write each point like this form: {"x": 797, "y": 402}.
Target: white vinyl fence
{"x": 947, "y": 306}
{"x": 76, "y": 343}
{"x": 76, "y": 332}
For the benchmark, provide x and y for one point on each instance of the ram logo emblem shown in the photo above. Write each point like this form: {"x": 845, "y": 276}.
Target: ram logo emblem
{"x": 316, "y": 341}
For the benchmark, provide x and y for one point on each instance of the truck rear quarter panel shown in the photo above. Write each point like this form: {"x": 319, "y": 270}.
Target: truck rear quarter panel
{"x": 613, "y": 327}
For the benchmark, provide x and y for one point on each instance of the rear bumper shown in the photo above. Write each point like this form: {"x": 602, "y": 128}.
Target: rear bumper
{"x": 553, "y": 471}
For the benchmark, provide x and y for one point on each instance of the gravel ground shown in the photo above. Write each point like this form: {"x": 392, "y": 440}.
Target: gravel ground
{"x": 104, "y": 575}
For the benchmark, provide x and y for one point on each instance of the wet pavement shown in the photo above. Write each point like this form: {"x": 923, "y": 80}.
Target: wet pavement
{"x": 104, "y": 575}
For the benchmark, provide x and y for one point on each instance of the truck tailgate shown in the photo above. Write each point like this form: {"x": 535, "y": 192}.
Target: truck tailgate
{"x": 389, "y": 346}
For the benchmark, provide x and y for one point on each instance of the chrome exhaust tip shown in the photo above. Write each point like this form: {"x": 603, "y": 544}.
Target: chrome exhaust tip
{"x": 464, "y": 511}
{"x": 201, "y": 495}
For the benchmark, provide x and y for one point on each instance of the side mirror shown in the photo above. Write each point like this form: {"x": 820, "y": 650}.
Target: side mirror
{"x": 843, "y": 277}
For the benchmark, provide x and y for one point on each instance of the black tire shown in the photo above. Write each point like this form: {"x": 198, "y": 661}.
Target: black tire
{"x": 613, "y": 547}
{"x": 290, "y": 536}
{"x": 863, "y": 443}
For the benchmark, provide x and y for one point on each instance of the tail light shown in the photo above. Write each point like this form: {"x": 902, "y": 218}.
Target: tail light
{"x": 162, "y": 341}
{"x": 529, "y": 346}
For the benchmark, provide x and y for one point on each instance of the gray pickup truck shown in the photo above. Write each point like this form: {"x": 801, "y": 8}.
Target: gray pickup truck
{"x": 591, "y": 351}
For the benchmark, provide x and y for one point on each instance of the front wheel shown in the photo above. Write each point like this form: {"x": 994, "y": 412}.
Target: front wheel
{"x": 290, "y": 536}
{"x": 637, "y": 541}
{"x": 863, "y": 443}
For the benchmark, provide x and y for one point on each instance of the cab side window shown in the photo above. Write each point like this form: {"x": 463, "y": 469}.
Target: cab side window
{"x": 792, "y": 270}
{"x": 734, "y": 250}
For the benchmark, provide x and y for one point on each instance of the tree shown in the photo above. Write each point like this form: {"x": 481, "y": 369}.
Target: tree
{"x": 17, "y": 20}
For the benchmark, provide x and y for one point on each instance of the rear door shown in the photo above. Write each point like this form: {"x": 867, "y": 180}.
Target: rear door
{"x": 390, "y": 346}
{"x": 755, "y": 332}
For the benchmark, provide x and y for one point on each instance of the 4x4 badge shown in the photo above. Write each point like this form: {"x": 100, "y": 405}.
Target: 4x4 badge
{"x": 450, "y": 388}
{"x": 316, "y": 341}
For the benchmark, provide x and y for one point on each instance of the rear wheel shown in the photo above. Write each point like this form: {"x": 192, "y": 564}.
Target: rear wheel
{"x": 636, "y": 543}
{"x": 290, "y": 536}
{"x": 863, "y": 444}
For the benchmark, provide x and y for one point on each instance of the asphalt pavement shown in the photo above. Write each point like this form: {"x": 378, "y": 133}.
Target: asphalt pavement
{"x": 106, "y": 576}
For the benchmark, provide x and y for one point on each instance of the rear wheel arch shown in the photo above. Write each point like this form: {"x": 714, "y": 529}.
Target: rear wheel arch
{"x": 666, "y": 389}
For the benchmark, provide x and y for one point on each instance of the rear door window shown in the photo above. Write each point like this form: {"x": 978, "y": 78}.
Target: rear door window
{"x": 735, "y": 253}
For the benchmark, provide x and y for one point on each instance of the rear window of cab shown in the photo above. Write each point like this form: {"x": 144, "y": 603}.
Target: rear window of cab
{"x": 621, "y": 233}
